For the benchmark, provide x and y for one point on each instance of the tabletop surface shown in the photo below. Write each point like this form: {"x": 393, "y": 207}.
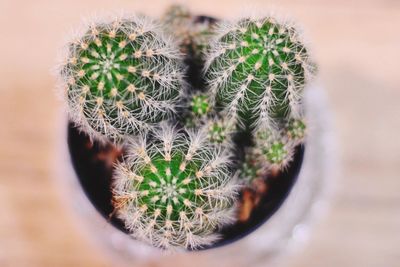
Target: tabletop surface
{"x": 357, "y": 45}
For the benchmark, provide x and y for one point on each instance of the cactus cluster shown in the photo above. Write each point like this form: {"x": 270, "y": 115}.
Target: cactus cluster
{"x": 120, "y": 76}
{"x": 123, "y": 80}
{"x": 174, "y": 189}
{"x": 257, "y": 70}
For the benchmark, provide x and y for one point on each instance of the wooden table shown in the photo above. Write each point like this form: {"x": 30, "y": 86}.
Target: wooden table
{"x": 357, "y": 44}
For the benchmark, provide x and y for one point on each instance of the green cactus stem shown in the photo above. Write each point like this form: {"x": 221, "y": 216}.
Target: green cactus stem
{"x": 200, "y": 105}
{"x": 256, "y": 71}
{"x": 275, "y": 148}
{"x": 175, "y": 190}
{"x": 251, "y": 167}
{"x": 296, "y": 130}
{"x": 121, "y": 76}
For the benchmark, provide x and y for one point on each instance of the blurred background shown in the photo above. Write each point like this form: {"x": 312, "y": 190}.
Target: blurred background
{"x": 357, "y": 45}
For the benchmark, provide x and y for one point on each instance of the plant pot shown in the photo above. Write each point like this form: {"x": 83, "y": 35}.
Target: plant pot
{"x": 274, "y": 227}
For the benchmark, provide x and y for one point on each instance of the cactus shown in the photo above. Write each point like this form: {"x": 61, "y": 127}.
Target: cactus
{"x": 176, "y": 17}
{"x": 174, "y": 190}
{"x": 201, "y": 115}
{"x": 192, "y": 34}
{"x": 296, "y": 130}
{"x": 218, "y": 133}
{"x": 200, "y": 105}
{"x": 196, "y": 110}
{"x": 256, "y": 71}
{"x": 275, "y": 148}
{"x": 121, "y": 76}
{"x": 252, "y": 166}
{"x": 272, "y": 151}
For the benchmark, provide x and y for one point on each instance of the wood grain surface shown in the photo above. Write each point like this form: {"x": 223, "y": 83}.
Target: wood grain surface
{"x": 357, "y": 45}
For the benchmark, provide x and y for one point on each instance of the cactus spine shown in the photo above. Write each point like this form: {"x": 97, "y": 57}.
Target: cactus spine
{"x": 120, "y": 77}
{"x": 257, "y": 69}
{"x": 174, "y": 190}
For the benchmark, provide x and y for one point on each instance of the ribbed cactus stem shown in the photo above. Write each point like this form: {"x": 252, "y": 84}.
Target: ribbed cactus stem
{"x": 175, "y": 190}
{"x": 257, "y": 69}
{"x": 121, "y": 76}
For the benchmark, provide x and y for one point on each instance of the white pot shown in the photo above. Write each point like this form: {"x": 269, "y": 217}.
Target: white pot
{"x": 281, "y": 233}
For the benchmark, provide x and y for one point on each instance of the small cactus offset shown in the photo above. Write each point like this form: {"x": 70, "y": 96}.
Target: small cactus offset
{"x": 296, "y": 130}
{"x": 193, "y": 35}
{"x": 256, "y": 70}
{"x": 121, "y": 76}
{"x": 196, "y": 111}
{"x": 175, "y": 17}
{"x": 218, "y": 131}
{"x": 174, "y": 190}
{"x": 200, "y": 105}
{"x": 201, "y": 115}
{"x": 252, "y": 167}
{"x": 275, "y": 149}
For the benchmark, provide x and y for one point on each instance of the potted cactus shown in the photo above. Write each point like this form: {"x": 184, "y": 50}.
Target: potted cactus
{"x": 186, "y": 133}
